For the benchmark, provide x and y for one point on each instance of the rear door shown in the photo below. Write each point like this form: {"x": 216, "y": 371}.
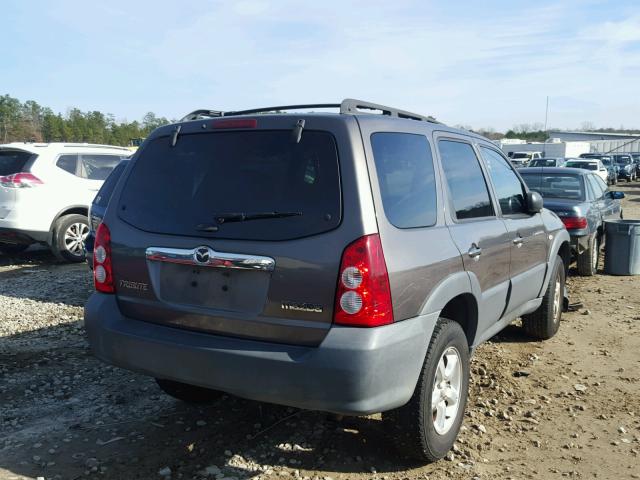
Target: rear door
{"x": 481, "y": 237}
{"x": 528, "y": 237}
{"x": 237, "y": 232}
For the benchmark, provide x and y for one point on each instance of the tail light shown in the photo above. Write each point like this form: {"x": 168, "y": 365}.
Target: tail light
{"x": 102, "y": 270}
{"x": 363, "y": 297}
{"x": 574, "y": 223}
{"x": 20, "y": 180}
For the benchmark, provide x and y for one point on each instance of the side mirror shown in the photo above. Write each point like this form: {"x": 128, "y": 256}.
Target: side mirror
{"x": 534, "y": 202}
{"x": 615, "y": 195}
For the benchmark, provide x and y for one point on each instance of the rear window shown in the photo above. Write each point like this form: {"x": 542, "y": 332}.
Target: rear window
{"x": 543, "y": 163}
{"x": 184, "y": 190}
{"x": 406, "y": 177}
{"x": 555, "y": 185}
{"x": 583, "y": 165}
{"x": 105, "y": 192}
{"x": 520, "y": 155}
{"x": 13, "y": 161}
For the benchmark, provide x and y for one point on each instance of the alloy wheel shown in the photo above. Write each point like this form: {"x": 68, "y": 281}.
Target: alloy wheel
{"x": 75, "y": 237}
{"x": 445, "y": 396}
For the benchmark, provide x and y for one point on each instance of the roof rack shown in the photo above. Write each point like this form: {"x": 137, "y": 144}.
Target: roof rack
{"x": 348, "y": 106}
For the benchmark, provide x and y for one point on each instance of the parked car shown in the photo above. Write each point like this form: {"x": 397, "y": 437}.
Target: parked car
{"x": 594, "y": 165}
{"x": 613, "y": 170}
{"x": 522, "y": 159}
{"x": 547, "y": 162}
{"x": 627, "y": 166}
{"x": 636, "y": 161}
{"x": 98, "y": 207}
{"x": 308, "y": 259}
{"x": 45, "y": 192}
{"x": 583, "y": 202}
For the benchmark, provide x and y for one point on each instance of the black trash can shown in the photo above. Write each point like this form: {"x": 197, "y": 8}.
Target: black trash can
{"x": 622, "y": 247}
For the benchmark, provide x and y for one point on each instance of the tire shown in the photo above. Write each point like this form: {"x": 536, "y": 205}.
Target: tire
{"x": 69, "y": 236}
{"x": 587, "y": 261}
{"x": 413, "y": 426}
{"x": 12, "y": 248}
{"x": 188, "y": 393}
{"x": 545, "y": 321}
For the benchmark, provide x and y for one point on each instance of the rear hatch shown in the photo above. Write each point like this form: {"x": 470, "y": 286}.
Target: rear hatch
{"x": 12, "y": 161}
{"x": 233, "y": 232}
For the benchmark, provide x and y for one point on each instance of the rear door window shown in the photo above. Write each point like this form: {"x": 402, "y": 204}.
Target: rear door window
{"x": 191, "y": 188}
{"x": 467, "y": 186}
{"x": 13, "y": 161}
{"x": 407, "y": 182}
{"x": 97, "y": 167}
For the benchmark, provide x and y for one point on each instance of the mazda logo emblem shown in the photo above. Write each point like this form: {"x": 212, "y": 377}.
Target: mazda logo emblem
{"x": 202, "y": 255}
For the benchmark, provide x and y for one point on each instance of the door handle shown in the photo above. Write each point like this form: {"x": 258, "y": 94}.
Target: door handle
{"x": 518, "y": 241}
{"x": 474, "y": 252}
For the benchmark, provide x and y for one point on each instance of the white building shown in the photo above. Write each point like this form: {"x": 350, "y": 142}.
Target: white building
{"x": 551, "y": 148}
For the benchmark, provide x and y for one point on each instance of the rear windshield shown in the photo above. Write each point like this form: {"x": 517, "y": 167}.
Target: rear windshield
{"x": 555, "y": 185}
{"x": 13, "y": 161}
{"x": 191, "y": 188}
{"x": 105, "y": 192}
{"x": 583, "y": 165}
{"x": 543, "y": 163}
{"x": 623, "y": 159}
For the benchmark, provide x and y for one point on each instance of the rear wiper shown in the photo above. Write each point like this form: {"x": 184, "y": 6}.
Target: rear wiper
{"x": 241, "y": 217}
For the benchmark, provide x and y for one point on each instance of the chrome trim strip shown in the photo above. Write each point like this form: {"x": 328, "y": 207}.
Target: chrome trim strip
{"x": 207, "y": 257}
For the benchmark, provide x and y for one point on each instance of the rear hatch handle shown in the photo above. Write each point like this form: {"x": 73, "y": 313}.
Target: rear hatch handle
{"x": 205, "y": 256}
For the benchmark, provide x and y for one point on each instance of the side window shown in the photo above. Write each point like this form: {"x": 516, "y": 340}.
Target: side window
{"x": 602, "y": 183}
{"x": 406, "y": 176}
{"x": 467, "y": 186}
{"x": 97, "y": 167}
{"x": 596, "y": 188}
{"x": 509, "y": 189}
{"x": 68, "y": 163}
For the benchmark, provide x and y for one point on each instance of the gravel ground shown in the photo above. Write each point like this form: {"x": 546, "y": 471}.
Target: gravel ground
{"x": 568, "y": 407}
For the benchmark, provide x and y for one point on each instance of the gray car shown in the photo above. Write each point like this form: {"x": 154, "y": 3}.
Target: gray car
{"x": 347, "y": 262}
{"x": 583, "y": 202}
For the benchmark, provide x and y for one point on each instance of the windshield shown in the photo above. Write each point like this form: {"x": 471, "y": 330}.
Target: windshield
{"x": 555, "y": 185}
{"x": 13, "y": 161}
{"x": 187, "y": 189}
{"x": 583, "y": 165}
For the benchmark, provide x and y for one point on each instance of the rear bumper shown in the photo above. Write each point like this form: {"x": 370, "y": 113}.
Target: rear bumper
{"x": 9, "y": 234}
{"x": 354, "y": 371}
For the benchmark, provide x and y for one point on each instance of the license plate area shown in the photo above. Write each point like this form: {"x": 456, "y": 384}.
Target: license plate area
{"x": 215, "y": 288}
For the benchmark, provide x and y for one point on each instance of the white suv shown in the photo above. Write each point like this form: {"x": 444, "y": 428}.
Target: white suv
{"x": 46, "y": 190}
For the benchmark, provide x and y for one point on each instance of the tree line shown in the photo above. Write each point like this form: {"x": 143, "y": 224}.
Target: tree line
{"x": 31, "y": 122}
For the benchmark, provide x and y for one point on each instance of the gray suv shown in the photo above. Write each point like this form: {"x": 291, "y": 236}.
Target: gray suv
{"x": 346, "y": 262}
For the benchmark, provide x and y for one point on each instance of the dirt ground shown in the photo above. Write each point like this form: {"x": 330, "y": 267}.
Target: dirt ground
{"x": 568, "y": 407}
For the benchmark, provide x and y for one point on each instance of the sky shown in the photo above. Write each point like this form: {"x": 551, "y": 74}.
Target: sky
{"x": 488, "y": 64}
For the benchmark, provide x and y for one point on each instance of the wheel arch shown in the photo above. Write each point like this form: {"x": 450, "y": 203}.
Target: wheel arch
{"x": 73, "y": 209}
{"x": 454, "y": 299}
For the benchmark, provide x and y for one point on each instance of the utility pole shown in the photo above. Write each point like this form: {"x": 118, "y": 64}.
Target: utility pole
{"x": 546, "y": 118}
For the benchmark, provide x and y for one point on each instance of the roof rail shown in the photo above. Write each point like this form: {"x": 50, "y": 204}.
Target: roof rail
{"x": 348, "y": 106}
{"x": 90, "y": 145}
